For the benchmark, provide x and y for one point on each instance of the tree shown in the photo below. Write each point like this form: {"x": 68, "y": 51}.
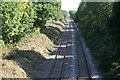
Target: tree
{"x": 72, "y": 14}
{"x": 99, "y": 24}
{"x": 17, "y": 20}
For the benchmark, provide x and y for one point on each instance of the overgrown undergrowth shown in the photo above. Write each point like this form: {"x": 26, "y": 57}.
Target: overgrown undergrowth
{"x": 100, "y": 25}
{"x": 29, "y": 53}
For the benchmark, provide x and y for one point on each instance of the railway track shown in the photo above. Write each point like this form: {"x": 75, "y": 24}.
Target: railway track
{"x": 93, "y": 74}
{"x": 88, "y": 77}
{"x": 73, "y": 65}
{"x": 62, "y": 50}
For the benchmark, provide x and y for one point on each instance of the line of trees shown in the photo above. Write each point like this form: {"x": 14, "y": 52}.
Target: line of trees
{"x": 100, "y": 25}
{"x": 65, "y": 13}
{"x": 72, "y": 13}
{"x": 21, "y": 18}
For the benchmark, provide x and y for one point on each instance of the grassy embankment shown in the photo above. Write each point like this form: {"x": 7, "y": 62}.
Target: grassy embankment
{"x": 26, "y": 56}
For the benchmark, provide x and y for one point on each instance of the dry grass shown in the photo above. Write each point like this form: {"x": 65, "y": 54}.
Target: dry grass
{"x": 25, "y": 58}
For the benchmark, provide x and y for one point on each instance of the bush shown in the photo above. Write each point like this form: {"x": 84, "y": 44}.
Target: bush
{"x": 20, "y": 18}
{"x": 17, "y": 20}
{"x": 100, "y": 25}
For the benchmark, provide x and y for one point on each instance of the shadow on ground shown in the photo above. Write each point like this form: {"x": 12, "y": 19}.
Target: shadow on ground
{"x": 28, "y": 60}
{"x": 52, "y": 32}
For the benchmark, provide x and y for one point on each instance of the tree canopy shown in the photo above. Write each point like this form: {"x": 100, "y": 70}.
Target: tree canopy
{"x": 100, "y": 25}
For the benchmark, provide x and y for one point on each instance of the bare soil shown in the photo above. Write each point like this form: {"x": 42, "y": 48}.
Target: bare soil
{"x": 24, "y": 59}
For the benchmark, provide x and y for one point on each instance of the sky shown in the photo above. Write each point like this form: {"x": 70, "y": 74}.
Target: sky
{"x": 70, "y": 4}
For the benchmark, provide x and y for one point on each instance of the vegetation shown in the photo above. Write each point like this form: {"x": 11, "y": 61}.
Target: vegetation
{"x": 100, "y": 25}
{"x": 65, "y": 13}
{"x": 27, "y": 36}
{"x": 47, "y": 11}
{"x": 72, "y": 14}
{"x": 21, "y": 18}
{"x": 17, "y": 20}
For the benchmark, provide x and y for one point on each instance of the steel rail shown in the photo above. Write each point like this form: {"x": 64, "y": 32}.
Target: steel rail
{"x": 61, "y": 42}
{"x": 86, "y": 62}
{"x": 65, "y": 59}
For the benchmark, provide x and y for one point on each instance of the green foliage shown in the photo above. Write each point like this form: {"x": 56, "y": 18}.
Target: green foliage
{"x": 114, "y": 28}
{"x": 72, "y": 14}
{"x": 100, "y": 25}
{"x": 47, "y": 11}
{"x": 65, "y": 13}
{"x": 1, "y": 42}
{"x": 20, "y": 18}
{"x": 17, "y": 20}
